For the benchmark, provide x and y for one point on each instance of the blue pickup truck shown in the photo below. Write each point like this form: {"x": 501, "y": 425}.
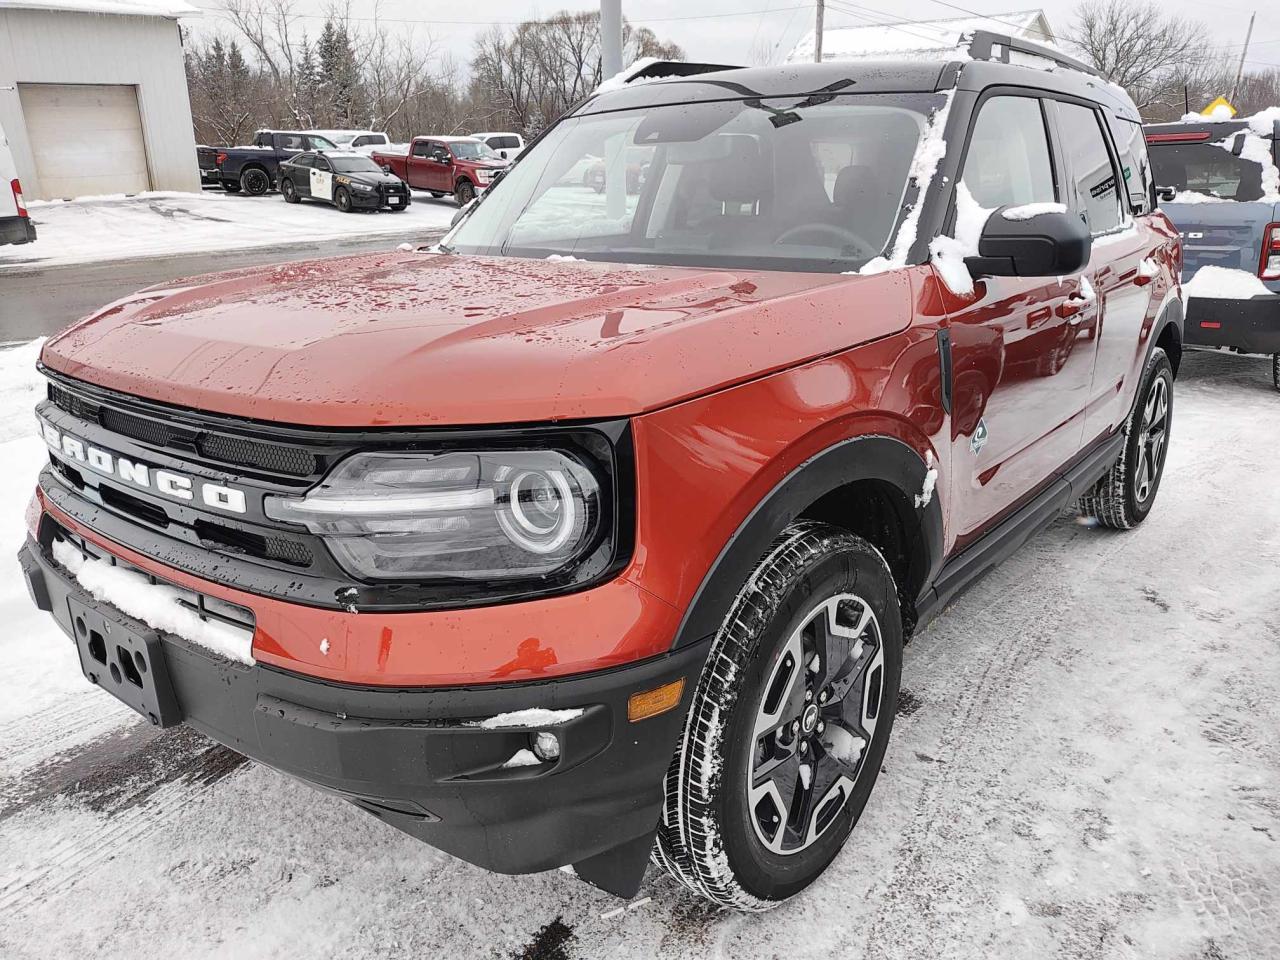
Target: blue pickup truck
{"x": 254, "y": 169}
{"x": 1220, "y": 185}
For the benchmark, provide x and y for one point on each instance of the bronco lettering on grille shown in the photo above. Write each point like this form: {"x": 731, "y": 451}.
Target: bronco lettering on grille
{"x": 167, "y": 482}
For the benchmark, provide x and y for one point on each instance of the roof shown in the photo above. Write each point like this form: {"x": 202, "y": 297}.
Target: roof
{"x": 919, "y": 38}
{"x": 444, "y": 138}
{"x": 128, "y": 8}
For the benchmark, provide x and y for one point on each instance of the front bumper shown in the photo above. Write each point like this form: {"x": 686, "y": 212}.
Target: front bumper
{"x": 1252, "y": 326}
{"x": 418, "y": 759}
{"x": 379, "y": 200}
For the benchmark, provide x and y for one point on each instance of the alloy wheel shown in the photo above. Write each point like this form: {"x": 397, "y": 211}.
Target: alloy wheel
{"x": 1151, "y": 443}
{"x": 819, "y": 711}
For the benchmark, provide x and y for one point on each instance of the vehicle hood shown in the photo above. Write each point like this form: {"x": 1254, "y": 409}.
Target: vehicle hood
{"x": 432, "y": 339}
{"x": 368, "y": 179}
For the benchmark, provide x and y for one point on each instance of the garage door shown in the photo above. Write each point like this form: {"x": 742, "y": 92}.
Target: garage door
{"x": 87, "y": 139}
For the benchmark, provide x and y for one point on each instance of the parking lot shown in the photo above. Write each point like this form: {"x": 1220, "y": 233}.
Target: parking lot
{"x": 1032, "y": 804}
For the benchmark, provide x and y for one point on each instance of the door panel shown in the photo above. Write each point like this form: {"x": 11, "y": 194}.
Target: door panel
{"x": 1022, "y": 347}
{"x": 321, "y": 184}
{"x": 87, "y": 139}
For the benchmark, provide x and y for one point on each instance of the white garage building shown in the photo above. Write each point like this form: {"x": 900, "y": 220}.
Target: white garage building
{"x": 93, "y": 96}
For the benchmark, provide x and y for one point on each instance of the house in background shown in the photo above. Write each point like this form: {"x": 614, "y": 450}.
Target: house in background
{"x": 93, "y": 96}
{"x": 924, "y": 39}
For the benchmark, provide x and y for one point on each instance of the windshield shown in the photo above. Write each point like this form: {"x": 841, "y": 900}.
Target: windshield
{"x": 812, "y": 184}
{"x": 466, "y": 150}
{"x": 354, "y": 165}
{"x": 1206, "y": 168}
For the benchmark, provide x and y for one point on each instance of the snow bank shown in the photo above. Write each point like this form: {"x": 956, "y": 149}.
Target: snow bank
{"x": 1191, "y": 196}
{"x": 1029, "y": 210}
{"x": 154, "y": 604}
{"x": 533, "y": 717}
{"x": 1223, "y": 283}
{"x": 1261, "y": 123}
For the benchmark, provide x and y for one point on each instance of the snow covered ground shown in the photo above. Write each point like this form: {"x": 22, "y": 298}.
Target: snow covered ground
{"x": 1086, "y": 765}
{"x": 91, "y": 230}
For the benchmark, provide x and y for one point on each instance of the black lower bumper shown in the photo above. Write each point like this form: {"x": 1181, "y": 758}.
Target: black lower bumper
{"x": 1252, "y": 326}
{"x": 419, "y": 759}
{"x": 17, "y": 230}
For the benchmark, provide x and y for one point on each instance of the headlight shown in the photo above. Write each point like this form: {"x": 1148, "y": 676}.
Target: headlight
{"x": 471, "y": 515}
{"x": 362, "y": 187}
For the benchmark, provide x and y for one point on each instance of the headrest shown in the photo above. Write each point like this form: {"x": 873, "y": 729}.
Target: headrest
{"x": 851, "y": 181}
{"x": 740, "y": 177}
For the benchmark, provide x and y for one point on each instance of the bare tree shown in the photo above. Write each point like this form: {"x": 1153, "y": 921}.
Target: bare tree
{"x": 1149, "y": 52}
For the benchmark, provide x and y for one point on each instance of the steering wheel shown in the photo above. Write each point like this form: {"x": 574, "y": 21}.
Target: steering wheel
{"x": 846, "y": 237}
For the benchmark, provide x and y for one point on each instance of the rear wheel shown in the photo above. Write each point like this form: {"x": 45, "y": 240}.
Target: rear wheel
{"x": 1125, "y": 494}
{"x": 255, "y": 181}
{"x": 342, "y": 199}
{"x": 289, "y": 191}
{"x": 789, "y": 724}
{"x": 437, "y": 194}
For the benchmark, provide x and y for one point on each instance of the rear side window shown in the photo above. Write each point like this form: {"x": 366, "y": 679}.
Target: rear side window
{"x": 503, "y": 143}
{"x": 290, "y": 141}
{"x": 1207, "y": 168}
{"x": 1093, "y": 176}
{"x": 1135, "y": 166}
{"x": 304, "y": 160}
{"x": 1007, "y": 163}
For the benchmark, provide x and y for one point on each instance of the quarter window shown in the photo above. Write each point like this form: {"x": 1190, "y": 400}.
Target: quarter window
{"x": 1093, "y": 175}
{"x": 1007, "y": 163}
{"x": 1135, "y": 166}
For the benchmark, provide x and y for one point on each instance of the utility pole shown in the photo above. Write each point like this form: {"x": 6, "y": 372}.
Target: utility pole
{"x": 817, "y": 31}
{"x": 1243, "y": 53}
{"x": 610, "y": 38}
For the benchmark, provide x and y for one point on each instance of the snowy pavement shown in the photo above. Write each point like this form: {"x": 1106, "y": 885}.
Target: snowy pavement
{"x": 92, "y": 230}
{"x": 1086, "y": 764}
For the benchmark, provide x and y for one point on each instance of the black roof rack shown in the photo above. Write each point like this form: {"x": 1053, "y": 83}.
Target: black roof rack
{"x": 678, "y": 68}
{"x": 983, "y": 44}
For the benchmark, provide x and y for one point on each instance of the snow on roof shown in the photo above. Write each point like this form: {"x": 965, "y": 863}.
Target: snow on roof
{"x": 919, "y": 38}
{"x": 128, "y": 8}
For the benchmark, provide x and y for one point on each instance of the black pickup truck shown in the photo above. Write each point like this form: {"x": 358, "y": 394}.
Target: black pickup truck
{"x": 254, "y": 168}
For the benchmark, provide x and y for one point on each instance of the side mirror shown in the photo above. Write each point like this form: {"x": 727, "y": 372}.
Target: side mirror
{"x": 1167, "y": 194}
{"x": 386, "y": 168}
{"x": 1019, "y": 242}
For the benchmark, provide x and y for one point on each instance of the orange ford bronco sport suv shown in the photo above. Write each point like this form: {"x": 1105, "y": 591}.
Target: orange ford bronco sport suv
{"x": 594, "y": 534}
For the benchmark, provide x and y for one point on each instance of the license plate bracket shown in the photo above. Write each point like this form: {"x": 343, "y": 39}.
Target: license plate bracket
{"x": 126, "y": 658}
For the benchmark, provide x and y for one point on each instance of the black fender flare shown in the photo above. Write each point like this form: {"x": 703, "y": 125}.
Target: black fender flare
{"x": 860, "y": 458}
{"x": 1173, "y": 311}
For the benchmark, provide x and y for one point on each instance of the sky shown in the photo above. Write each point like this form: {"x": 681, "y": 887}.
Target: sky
{"x": 738, "y": 31}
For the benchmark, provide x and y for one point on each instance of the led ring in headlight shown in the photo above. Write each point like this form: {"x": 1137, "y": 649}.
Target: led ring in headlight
{"x": 540, "y": 512}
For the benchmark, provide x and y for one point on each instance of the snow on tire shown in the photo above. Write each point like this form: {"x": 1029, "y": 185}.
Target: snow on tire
{"x": 1124, "y": 495}
{"x": 789, "y": 722}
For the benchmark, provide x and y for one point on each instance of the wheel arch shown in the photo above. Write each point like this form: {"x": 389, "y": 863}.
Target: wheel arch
{"x": 1170, "y": 321}
{"x": 873, "y": 486}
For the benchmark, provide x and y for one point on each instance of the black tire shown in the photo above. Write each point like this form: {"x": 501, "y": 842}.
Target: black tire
{"x": 342, "y": 200}
{"x": 464, "y": 193}
{"x": 231, "y": 186}
{"x": 1124, "y": 496}
{"x": 1275, "y": 369}
{"x": 288, "y": 191}
{"x": 437, "y": 193}
{"x": 711, "y": 837}
{"x": 255, "y": 181}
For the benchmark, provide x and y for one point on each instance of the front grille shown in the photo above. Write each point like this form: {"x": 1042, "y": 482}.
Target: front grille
{"x": 136, "y": 428}
{"x": 248, "y": 453}
{"x": 226, "y": 448}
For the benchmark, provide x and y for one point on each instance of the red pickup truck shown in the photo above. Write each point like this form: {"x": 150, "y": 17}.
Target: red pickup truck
{"x": 462, "y": 166}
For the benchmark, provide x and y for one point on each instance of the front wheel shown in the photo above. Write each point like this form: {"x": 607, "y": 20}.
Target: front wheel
{"x": 1125, "y": 494}
{"x": 464, "y": 193}
{"x": 342, "y": 200}
{"x": 789, "y": 723}
{"x": 231, "y": 186}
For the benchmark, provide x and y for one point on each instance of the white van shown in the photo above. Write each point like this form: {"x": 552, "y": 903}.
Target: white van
{"x": 506, "y": 145}
{"x": 15, "y": 225}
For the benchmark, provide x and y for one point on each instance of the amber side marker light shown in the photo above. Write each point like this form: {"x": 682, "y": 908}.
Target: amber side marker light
{"x": 650, "y": 703}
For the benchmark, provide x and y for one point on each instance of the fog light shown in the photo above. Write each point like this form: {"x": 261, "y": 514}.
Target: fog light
{"x": 546, "y": 746}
